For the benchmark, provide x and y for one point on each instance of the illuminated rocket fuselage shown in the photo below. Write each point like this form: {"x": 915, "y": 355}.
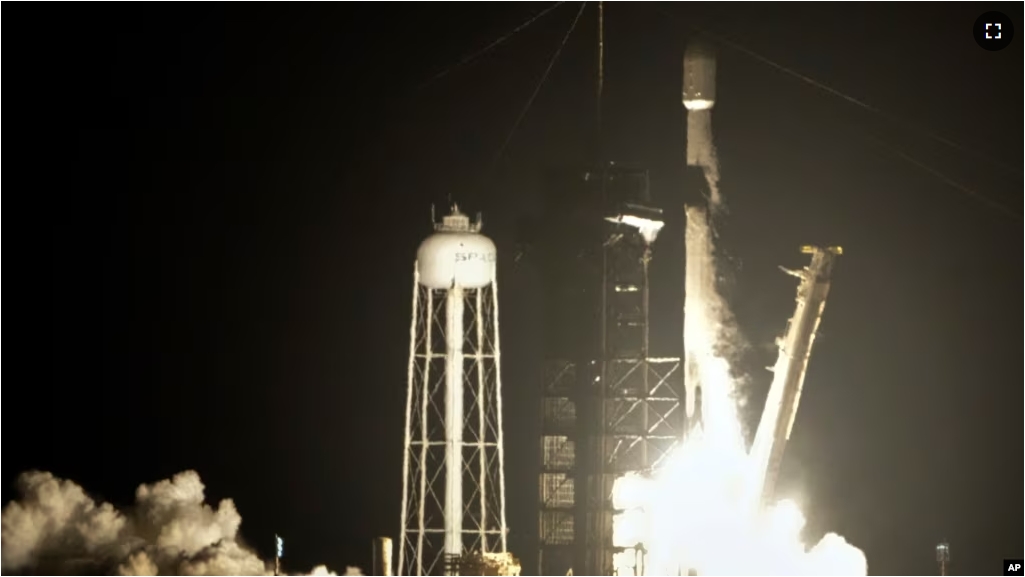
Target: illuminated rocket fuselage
{"x": 698, "y": 98}
{"x": 698, "y": 276}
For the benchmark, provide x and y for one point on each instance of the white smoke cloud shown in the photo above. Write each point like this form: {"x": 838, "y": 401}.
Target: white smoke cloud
{"x": 138, "y": 564}
{"x": 56, "y": 528}
{"x": 58, "y": 515}
{"x": 322, "y": 570}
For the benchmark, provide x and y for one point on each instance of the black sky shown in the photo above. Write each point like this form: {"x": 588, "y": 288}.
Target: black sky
{"x": 218, "y": 208}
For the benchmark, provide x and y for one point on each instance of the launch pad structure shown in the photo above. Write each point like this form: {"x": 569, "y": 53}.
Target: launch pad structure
{"x": 777, "y": 421}
{"x": 609, "y": 407}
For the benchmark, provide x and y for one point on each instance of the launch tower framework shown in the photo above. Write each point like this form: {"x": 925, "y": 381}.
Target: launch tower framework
{"x": 609, "y": 407}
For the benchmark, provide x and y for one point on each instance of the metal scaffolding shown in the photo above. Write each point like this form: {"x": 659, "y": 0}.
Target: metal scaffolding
{"x": 609, "y": 407}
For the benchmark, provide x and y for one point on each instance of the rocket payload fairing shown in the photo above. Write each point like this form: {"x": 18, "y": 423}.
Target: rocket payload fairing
{"x": 698, "y": 99}
{"x": 698, "y": 76}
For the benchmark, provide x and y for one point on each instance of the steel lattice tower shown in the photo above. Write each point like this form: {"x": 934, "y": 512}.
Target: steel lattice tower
{"x": 609, "y": 406}
{"x": 453, "y": 498}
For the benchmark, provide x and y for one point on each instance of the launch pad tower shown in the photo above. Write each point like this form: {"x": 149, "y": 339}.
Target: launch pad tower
{"x": 795, "y": 347}
{"x": 609, "y": 407}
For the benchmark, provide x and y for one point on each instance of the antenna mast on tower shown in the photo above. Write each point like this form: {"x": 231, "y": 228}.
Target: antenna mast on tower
{"x": 599, "y": 140}
{"x": 601, "y": 62}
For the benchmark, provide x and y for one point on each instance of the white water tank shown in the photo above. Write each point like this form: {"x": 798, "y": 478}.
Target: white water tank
{"x": 456, "y": 255}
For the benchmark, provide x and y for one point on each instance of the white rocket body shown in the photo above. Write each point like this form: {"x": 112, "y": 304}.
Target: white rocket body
{"x": 698, "y": 99}
{"x": 699, "y": 275}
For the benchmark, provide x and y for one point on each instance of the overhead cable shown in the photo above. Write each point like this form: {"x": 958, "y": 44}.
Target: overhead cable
{"x": 474, "y": 55}
{"x": 860, "y": 103}
{"x": 537, "y": 89}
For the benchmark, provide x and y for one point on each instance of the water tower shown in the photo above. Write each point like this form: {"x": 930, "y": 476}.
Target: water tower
{"x": 453, "y": 492}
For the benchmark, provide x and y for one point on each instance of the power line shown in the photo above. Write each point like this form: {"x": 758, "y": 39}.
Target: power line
{"x": 861, "y": 104}
{"x": 821, "y": 86}
{"x": 473, "y": 56}
{"x": 537, "y": 89}
{"x": 601, "y": 60}
{"x": 949, "y": 181}
{"x": 848, "y": 98}
{"x": 894, "y": 151}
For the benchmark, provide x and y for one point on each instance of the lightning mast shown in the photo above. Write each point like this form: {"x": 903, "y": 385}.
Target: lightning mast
{"x": 453, "y": 495}
{"x": 610, "y": 408}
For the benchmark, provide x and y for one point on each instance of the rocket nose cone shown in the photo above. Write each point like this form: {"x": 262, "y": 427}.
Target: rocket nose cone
{"x": 698, "y": 48}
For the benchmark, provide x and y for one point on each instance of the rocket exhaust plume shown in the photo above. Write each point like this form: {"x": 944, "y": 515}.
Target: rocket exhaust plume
{"x": 701, "y": 513}
{"x": 57, "y": 529}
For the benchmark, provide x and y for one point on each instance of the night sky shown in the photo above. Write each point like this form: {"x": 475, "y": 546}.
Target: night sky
{"x": 219, "y": 206}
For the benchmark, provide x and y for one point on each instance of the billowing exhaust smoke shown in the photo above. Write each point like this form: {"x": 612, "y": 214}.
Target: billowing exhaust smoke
{"x": 55, "y": 528}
